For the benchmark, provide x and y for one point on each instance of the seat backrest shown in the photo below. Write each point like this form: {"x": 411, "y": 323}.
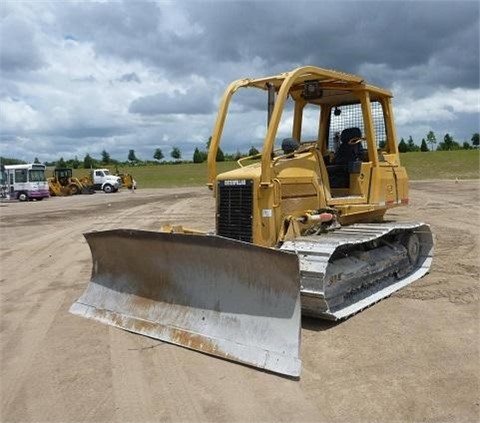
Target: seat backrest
{"x": 350, "y": 133}
{"x": 349, "y": 152}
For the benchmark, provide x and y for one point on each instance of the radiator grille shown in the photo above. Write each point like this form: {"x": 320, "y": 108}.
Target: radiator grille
{"x": 234, "y": 209}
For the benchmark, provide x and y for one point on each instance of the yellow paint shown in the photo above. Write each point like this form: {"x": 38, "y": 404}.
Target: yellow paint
{"x": 290, "y": 185}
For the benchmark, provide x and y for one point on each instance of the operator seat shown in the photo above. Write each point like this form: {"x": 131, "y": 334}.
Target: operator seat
{"x": 347, "y": 155}
{"x": 349, "y": 152}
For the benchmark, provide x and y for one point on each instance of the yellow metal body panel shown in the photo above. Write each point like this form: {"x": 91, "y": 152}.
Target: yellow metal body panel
{"x": 292, "y": 184}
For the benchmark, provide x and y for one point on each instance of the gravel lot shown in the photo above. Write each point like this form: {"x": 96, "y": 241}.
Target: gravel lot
{"x": 412, "y": 357}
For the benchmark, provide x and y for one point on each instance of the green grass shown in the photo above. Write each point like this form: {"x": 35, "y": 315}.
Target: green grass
{"x": 167, "y": 175}
{"x": 462, "y": 164}
{"x": 173, "y": 175}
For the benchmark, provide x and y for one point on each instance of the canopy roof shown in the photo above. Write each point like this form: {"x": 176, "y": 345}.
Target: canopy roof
{"x": 336, "y": 87}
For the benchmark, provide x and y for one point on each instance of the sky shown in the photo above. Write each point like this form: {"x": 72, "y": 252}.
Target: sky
{"x": 80, "y": 77}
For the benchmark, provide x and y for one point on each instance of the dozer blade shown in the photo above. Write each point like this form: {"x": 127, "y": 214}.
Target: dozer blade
{"x": 219, "y": 296}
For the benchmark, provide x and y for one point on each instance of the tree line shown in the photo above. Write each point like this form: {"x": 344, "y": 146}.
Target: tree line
{"x": 429, "y": 143}
{"x": 448, "y": 143}
{"x": 199, "y": 156}
{"x": 89, "y": 162}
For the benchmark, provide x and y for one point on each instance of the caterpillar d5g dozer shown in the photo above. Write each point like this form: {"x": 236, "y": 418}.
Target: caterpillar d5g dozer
{"x": 299, "y": 229}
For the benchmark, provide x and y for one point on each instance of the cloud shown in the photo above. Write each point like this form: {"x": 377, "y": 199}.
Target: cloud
{"x": 130, "y": 77}
{"x": 19, "y": 47}
{"x": 17, "y": 117}
{"x": 194, "y": 100}
{"x": 442, "y": 105}
{"x": 80, "y": 77}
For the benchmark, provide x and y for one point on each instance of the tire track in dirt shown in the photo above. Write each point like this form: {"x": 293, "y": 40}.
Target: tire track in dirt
{"x": 47, "y": 255}
{"x": 153, "y": 215}
{"x": 63, "y": 383}
{"x": 19, "y": 353}
{"x": 147, "y": 376}
{"x": 48, "y": 250}
{"x": 133, "y": 400}
{"x": 31, "y": 301}
{"x": 223, "y": 398}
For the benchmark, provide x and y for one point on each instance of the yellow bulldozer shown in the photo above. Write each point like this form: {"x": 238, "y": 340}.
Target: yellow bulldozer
{"x": 300, "y": 229}
{"x": 62, "y": 183}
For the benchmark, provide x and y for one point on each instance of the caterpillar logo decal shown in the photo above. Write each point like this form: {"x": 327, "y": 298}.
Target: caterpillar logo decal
{"x": 234, "y": 182}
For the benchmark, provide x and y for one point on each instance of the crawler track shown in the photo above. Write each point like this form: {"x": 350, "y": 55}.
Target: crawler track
{"x": 349, "y": 269}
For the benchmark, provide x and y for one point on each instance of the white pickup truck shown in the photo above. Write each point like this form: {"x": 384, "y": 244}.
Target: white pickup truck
{"x": 103, "y": 180}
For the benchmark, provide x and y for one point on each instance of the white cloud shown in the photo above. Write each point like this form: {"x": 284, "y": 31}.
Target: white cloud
{"x": 17, "y": 117}
{"x": 73, "y": 72}
{"x": 442, "y": 105}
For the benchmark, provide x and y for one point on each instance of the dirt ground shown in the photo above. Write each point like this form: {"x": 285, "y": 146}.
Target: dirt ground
{"x": 412, "y": 357}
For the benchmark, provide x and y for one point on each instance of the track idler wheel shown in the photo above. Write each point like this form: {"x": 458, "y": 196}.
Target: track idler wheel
{"x": 412, "y": 243}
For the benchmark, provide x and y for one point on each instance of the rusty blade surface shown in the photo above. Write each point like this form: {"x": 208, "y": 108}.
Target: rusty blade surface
{"x": 222, "y": 297}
